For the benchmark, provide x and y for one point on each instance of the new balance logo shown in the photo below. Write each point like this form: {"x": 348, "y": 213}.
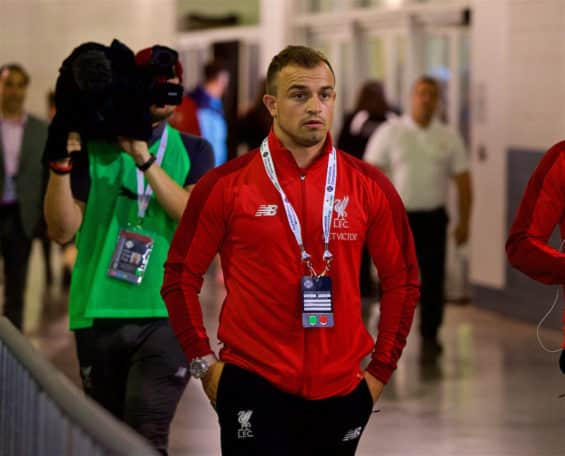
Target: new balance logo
{"x": 266, "y": 210}
{"x": 181, "y": 372}
{"x": 352, "y": 434}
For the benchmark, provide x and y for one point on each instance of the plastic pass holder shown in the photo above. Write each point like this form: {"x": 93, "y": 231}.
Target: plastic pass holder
{"x": 317, "y": 310}
{"x": 131, "y": 256}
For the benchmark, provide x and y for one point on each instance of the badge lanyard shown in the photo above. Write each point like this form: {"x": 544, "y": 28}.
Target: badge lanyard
{"x": 131, "y": 254}
{"x": 292, "y": 218}
{"x": 144, "y": 195}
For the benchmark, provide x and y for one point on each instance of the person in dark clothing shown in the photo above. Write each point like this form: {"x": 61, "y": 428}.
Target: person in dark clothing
{"x": 254, "y": 125}
{"x": 22, "y": 177}
{"x": 370, "y": 111}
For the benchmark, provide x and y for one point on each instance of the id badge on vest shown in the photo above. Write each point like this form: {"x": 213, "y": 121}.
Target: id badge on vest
{"x": 131, "y": 256}
{"x": 134, "y": 245}
{"x": 317, "y": 309}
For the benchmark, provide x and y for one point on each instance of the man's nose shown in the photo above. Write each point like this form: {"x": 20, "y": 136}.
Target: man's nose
{"x": 314, "y": 105}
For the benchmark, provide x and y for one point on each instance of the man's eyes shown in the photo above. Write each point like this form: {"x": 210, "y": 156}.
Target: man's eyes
{"x": 304, "y": 95}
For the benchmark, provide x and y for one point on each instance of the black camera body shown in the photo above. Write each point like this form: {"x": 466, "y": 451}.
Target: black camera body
{"x": 102, "y": 94}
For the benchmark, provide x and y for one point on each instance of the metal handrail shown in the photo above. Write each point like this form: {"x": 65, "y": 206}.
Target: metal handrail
{"x": 105, "y": 432}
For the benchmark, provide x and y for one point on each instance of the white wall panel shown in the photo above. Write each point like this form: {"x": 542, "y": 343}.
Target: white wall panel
{"x": 489, "y": 99}
{"x": 536, "y": 70}
{"x": 39, "y": 34}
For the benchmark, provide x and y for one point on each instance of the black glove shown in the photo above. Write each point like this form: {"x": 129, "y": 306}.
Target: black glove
{"x": 562, "y": 361}
{"x": 56, "y": 145}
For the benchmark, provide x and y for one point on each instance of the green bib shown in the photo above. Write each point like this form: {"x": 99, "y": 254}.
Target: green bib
{"x": 111, "y": 206}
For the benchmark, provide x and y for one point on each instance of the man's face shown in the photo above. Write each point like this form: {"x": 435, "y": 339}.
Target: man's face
{"x": 303, "y": 106}
{"x": 425, "y": 98}
{"x": 224, "y": 81}
{"x": 159, "y": 113}
{"x": 14, "y": 92}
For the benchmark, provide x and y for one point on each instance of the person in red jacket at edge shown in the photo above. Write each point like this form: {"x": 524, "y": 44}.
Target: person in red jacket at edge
{"x": 542, "y": 209}
{"x": 185, "y": 118}
{"x": 289, "y": 220}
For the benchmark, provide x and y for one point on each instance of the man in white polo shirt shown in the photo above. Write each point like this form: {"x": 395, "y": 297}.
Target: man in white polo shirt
{"x": 421, "y": 155}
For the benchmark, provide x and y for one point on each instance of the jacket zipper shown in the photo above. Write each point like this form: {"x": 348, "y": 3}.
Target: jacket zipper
{"x": 304, "y": 387}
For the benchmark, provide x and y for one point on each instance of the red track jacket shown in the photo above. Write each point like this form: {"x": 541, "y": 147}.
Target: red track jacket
{"x": 236, "y": 210}
{"x": 542, "y": 208}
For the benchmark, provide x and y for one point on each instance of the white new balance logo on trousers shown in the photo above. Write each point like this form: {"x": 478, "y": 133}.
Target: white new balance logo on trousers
{"x": 352, "y": 434}
{"x": 266, "y": 210}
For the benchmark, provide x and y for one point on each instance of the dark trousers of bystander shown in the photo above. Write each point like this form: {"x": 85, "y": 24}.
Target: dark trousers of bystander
{"x": 136, "y": 370}
{"x": 16, "y": 249}
{"x": 429, "y": 229}
{"x": 257, "y": 419}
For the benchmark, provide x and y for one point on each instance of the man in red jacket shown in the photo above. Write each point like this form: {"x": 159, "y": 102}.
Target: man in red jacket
{"x": 542, "y": 209}
{"x": 290, "y": 220}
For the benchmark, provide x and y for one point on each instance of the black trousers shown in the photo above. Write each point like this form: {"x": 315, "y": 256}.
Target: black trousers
{"x": 429, "y": 229}
{"x": 136, "y": 370}
{"x": 16, "y": 249}
{"x": 258, "y": 419}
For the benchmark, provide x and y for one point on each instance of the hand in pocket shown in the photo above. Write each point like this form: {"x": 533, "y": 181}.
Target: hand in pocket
{"x": 375, "y": 386}
{"x": 211, "y": 381}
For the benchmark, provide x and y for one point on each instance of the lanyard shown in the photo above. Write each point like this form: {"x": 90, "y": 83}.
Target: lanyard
{"x": 292, "y": 218}
{"x": 143, "y": 196}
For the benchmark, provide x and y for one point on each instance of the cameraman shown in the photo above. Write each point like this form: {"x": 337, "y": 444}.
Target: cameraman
{"x": 125, "y": 201}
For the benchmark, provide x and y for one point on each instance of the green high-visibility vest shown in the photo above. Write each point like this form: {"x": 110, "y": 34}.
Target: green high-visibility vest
{"x": 112, "y": 206}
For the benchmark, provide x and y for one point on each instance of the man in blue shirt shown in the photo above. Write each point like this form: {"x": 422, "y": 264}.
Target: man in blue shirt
{"x": 208, "y": 98}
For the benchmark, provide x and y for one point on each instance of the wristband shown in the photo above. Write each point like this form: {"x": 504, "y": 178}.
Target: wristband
{"x": 145, "y": 166}
{"x": 61, "y": 169}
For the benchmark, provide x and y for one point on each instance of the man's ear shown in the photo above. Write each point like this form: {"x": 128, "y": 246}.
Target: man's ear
{"x": 270, "y": 103}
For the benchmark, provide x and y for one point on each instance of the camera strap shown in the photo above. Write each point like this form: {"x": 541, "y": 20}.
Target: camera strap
{"x": 144, "y": 194}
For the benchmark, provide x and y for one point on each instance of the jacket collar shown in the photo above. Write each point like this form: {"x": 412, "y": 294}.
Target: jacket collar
{"x": 284, "y": 161}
